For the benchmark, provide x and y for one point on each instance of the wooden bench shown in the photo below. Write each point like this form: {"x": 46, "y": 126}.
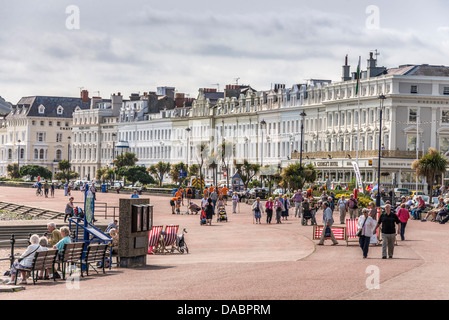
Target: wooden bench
{"x": 95, "y": 253}
{"x": 72, "y": 254}
{"x": 42, "y": 261}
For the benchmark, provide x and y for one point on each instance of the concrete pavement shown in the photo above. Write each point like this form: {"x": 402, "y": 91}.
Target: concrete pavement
{"x": 239, "y": 260}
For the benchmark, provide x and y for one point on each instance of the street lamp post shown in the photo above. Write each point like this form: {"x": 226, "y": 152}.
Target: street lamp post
{"x": 381, "y": 99}
{"x": 188, "y": 146}
{"x": 303, "y": 115}
{"x": 18, "y": 156}
{"x": 263, "y": 124}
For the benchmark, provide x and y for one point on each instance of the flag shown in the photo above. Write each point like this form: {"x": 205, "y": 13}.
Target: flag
{"x": 358, "y": 77}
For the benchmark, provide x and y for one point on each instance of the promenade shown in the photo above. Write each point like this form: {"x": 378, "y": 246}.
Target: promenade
{"x": 239, "y": 260}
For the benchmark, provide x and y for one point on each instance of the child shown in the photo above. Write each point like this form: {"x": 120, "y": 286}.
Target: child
{"x": 178, "y": 205}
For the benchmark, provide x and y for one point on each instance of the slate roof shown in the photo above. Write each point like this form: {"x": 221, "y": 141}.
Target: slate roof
{"x": 420, "y": 70}
{"x": 51, "y": 105}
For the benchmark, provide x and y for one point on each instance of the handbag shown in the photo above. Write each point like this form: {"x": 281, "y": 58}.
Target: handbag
{"x": 327, "y": 233}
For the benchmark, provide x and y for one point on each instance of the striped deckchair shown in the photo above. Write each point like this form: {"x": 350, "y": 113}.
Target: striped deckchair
{"x": 339, "y": 232}
{"x": 351, "y": 226}
{"x": 154, "y": 237}
{"x": 169, "y": 239}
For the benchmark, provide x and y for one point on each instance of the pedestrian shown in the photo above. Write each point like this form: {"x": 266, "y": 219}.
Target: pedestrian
{"x": 135, "y": 195}
{"x": 279, "y": 208}
{"x": 69, "y": 209}
{"x": 313, "y": 210}
{"x": 366, "y": 226}
{"x": 269, "y": 210}
{"x": 403, "y": 215}
{"x": 66, "y": 187}
{"x": 286, "y": 203}
{"x": 388, "y": 221}
{"x": 328, "y": 221}
{"x": 256, "y": 209}
{"x": 235, "y": 200}
{"x": 214, "y": 197}
{"x": 353, "y": 208}
{"x": 331, "y": 202}
{"x": 305, "y": 211}
{"x": 298, "y": 199}
{"x": 342, "y": 205}
{"x": 209, "y": 210}
{"x": 52, "y": 190}
{"x": 93, "y": 189}
{"x": 112, "y": 225}
{"x": 173, "y": 204}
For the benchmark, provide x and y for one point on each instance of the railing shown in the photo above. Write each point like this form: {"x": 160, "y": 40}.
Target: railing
{"x": 13, "y": 242}
{"x": 353, "y": 154}
{"x": 102, "y": 209}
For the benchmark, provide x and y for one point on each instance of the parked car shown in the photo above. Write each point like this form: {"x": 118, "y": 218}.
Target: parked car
{"x": 400, "y": 192}
{"x": 417, "y": 193}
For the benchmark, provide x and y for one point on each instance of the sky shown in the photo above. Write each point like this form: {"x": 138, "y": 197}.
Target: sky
{"x": 57, "y": 47}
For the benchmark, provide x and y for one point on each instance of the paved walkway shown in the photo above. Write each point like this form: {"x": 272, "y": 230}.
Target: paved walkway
{"x": 241, "y": 260}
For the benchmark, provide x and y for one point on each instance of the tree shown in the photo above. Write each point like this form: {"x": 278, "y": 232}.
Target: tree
{"x": 247, "y": 171}
{"x": 295, "y": 176}
{"x": 127, "y": 159}
{"x": 35, "y": 171}
{"x": 202, "y": 150}
{"x": 174, "y": 172}
{"x": 212, "y": 164}
{"x": 429, "y": 166}
{"x": 104, "y": 174}
{"x": 136, "y": 174}
{"x": 13, "y": 170}
{"x": 160, "y": 170}
{"x": 65, "y": 173}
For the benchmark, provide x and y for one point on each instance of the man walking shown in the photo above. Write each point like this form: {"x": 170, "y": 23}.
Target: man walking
{"x": 388, "y": 220}
{"x": 353, "y": 207}
{"x": 297, "y": 199}
{"x": 342, "y": 204}
{"x": 328, "y": 222}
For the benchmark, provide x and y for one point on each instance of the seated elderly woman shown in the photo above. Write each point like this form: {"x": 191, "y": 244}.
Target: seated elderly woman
{"x": 440, "y": 205}
{"x": 114, "y": 235}
{"x": 25, "y": 261}
{"x": 65, "y": 232}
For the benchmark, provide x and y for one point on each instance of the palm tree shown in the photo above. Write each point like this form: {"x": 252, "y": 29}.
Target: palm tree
{"x": 247, "y": 171}
{"x": 160, "y": 170}
{"x": 429, "y": 166}
{"x": 295, "y": 176}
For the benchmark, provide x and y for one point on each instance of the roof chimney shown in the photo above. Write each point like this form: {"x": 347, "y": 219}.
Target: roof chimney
{"x": 85, "y": 95}
{"x": 346, "y": 71}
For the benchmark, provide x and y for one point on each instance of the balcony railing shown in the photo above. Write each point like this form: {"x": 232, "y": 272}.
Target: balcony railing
{"x": 373, "y": 154}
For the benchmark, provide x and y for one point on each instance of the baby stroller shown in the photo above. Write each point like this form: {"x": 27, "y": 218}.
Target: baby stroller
{"x": 222, "y": 216}
{"x": 203, "y": 217}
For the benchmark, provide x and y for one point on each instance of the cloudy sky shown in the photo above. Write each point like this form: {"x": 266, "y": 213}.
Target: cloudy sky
{"x": 138, "y": 45}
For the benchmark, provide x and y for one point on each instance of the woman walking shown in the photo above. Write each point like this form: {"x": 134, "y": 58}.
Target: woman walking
{"x": 69, "y": 209}
{"x": 269, "y": 210}
{"x": 209, "y": 210}
{"x": 279, "y": 208}
{"x": 403, "y": 215}
{"x": 366, "y": 227}
{"x": 256, "y": 209}
{"x": 286, "y": 204}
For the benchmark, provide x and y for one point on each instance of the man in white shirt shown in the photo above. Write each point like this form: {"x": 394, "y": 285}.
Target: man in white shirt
{"x": 328, "y": 220}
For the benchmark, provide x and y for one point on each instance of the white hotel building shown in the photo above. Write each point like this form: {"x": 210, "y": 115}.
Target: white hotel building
{"x": 337, "y": 124}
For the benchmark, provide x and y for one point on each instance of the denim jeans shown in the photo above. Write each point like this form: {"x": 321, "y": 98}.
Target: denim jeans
{"x": 403, "y": 225}
{"x": 364, "y": 245}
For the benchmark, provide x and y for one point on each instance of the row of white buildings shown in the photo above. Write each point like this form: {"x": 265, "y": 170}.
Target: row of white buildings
{"x": 339, "y": 126}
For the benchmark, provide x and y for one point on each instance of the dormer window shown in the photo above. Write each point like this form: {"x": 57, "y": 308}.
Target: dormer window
{"x": 60, "y": 110}
{"x": 41, "y": 109}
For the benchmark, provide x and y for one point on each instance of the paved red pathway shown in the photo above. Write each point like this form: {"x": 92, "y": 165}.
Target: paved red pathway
{"x": 241, "y": 260}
